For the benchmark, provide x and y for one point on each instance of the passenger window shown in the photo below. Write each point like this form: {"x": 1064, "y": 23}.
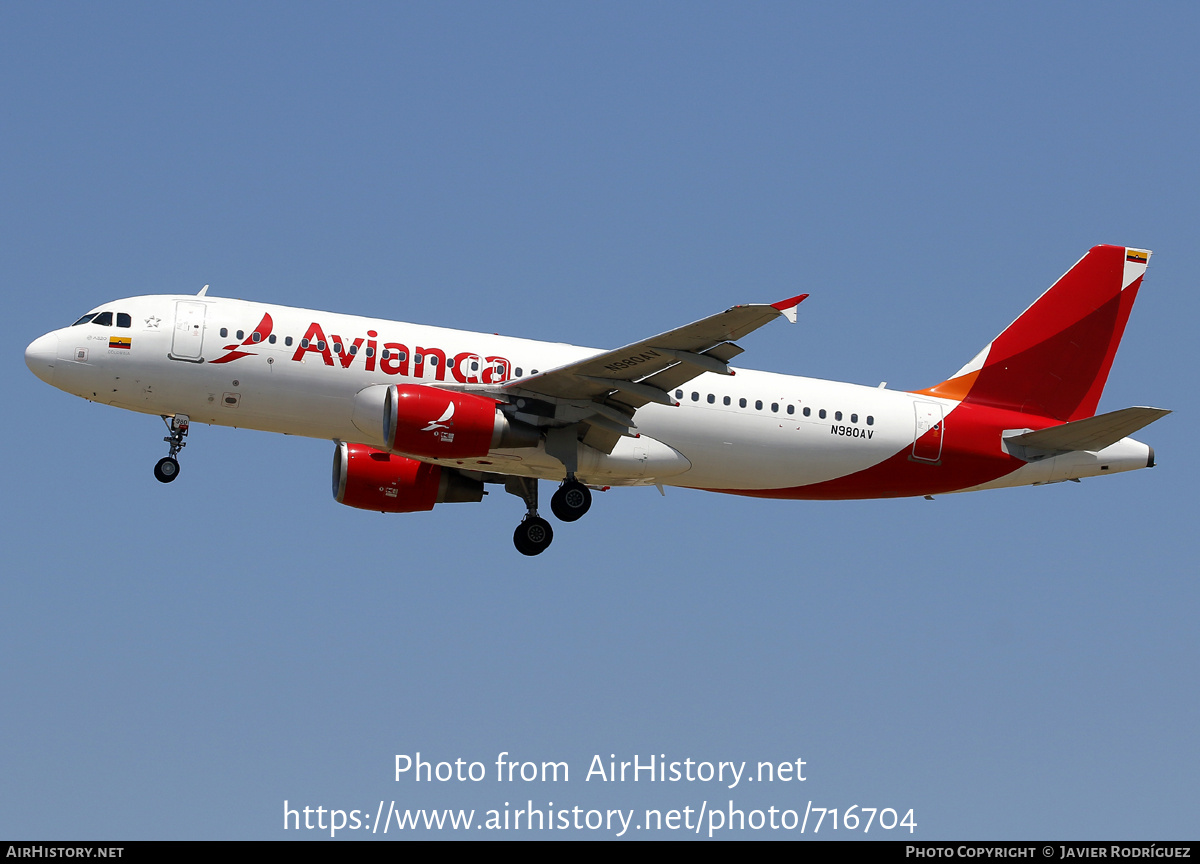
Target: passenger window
{"x": 758, "y": 404}
{"x": 370, "y": 351}
{"x": 711, "y": 399}
{"x": 775, "y": 407}
{"x": 337, "y": 347}
{"x": 385, "y": 354}
{"x": 123, "y": 320}
{"x": 287, "y": 340}
{"x": 104, "y": 319}
{"x": 353, "y": 350}
{"x": 418, "y": 359}
{"x": 271, "y": 338}
{"x": 726, "y": 400}
{"x": 742, "y": 402}
{"x": 304, "y": 343}
{"x": 449, "y": 362}
{"x": 870, "y": 420}
{"x": 256, "y": 336}
{"x": 791, "y": 409}
{"x": 807, "y": 411}
{"x": 853, "y": 418}
{"x": 695, "y": 396}
{"x": 474, "y": 365}
{"x": 224, "y": 332}
{"x": 837, "y": 415}
{"x": 320, "y": 344}
{"x": 678, "y": 394}
{"x": 241, "y": 334}
{"x": 520, "y": 373}
{"x": 402, "y": 356}
{"x": 821, "y": 413}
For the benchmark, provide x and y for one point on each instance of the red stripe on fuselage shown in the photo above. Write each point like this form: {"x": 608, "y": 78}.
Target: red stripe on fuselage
{"x": 971, "y": 455}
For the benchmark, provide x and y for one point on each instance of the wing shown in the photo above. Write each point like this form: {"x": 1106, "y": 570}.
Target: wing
{"x": 601, "y": 393}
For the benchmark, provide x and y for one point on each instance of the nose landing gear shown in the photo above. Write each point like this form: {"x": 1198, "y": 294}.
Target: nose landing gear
{"x": 167, "y": 468}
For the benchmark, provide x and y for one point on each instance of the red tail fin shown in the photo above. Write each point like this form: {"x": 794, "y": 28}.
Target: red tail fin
{"x": 1054, "y": 360}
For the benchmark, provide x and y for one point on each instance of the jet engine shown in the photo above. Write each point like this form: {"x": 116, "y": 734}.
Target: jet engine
{"x": 371, "y": 479}
{"x": 441, "y": 424}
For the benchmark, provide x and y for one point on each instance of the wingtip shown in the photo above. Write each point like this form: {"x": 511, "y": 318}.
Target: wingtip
{"x": 788, "y": 306}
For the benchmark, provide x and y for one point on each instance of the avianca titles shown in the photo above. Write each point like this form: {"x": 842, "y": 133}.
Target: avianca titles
{"x": 425, "y": 415}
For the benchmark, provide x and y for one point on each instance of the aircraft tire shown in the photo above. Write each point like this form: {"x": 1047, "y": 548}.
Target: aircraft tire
{"x": 571, "y": 501}
{"x": 166, "y": 470}
{"x": 533, "y": 536}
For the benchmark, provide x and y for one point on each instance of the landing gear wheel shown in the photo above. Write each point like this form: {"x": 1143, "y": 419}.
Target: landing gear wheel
{"x": 571, "y": 501}
{"x": 166, "y": 470}
{"x": 533, "y": 535}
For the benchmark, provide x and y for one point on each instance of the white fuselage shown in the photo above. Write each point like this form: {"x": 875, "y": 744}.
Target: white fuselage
{"x": 749, "y": 432}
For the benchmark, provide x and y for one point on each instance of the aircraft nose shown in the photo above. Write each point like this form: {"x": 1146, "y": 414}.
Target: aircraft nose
{"x": 42, "y": 355}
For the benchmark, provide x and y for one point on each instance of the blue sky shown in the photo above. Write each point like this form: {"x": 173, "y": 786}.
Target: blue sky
{"x": 181, "y": 660}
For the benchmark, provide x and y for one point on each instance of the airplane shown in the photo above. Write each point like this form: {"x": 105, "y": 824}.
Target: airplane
{"x": 422, "y": 415}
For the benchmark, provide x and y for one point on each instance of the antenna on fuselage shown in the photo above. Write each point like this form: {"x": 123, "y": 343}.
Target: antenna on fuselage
{"x": 203, "y": 291}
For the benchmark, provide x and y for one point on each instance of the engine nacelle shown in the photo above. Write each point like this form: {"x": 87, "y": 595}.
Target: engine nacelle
{"x": 371, "y": 479}
{"x": 441, "y": 424}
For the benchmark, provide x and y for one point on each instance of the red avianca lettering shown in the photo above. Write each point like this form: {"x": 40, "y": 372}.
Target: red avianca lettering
{"x": 395, "y": 358}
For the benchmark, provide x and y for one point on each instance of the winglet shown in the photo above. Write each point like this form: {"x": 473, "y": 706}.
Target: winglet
{"x": 788, "y": 307}
{"x": 203, "y": 291}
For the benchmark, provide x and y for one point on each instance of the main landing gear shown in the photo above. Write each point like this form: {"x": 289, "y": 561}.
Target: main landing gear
{"x": 167, "y": 468}
{"x": 571, "y": 500}
{"x": 534, "y": 535}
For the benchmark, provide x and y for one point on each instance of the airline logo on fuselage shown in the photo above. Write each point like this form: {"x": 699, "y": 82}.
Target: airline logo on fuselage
{"x": 465, "y": 367}
{"x": 259, "y": 334}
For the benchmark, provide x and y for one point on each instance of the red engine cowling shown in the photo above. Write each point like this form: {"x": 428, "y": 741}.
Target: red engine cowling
{"x": 440, "y": 424}
{"x": 371, "y": 479}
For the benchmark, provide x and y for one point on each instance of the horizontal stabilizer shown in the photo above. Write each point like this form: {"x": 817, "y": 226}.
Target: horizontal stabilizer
{"x": 1092, "y": 433}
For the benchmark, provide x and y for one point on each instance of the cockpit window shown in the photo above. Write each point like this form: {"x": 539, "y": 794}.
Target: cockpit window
{"x": 104, "y": 319}
{"x": 123, "y": 320}
{"x": 85, "y": 319}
